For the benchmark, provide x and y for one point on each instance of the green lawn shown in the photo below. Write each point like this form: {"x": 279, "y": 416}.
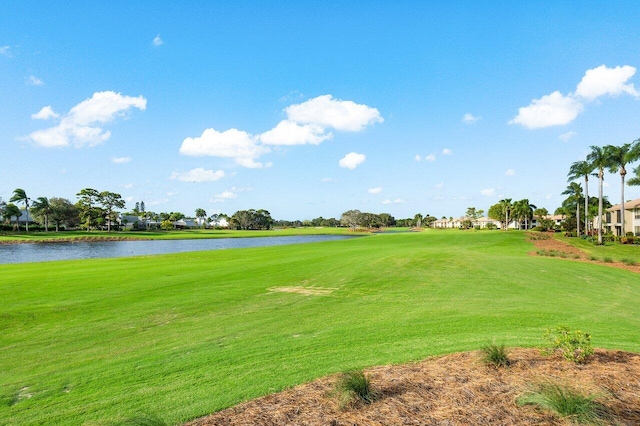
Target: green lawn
{"x": 613, "y": 250}
{"x": 178, "y": 336}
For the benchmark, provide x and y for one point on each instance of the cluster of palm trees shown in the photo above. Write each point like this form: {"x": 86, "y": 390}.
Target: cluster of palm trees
{"x": 507, "y": 211}
{"x": 40, "y": 206}
{"x": 612, "y": 158}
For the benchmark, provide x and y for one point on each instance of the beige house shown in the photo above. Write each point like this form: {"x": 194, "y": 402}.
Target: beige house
{"x": 612, "y": 220}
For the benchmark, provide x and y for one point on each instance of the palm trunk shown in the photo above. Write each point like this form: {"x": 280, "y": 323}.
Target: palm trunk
{"x": 586, "y": 205}
{"x": 623, "y": 232}
{"x": 600, "y": 178}
{"x": 578, "y": 218}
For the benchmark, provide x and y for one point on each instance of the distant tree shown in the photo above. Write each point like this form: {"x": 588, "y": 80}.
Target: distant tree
{"x": 88, "y": 207}
{"x": 20, "y": 196}
{"x": 523, "y": 212}
{"x": 351, "y": 219}
{"x": 110, "y": 201}
{"x": 579, "y": 170}
{"x": 386, "y": 220}
{"x": 41, "y": 210}
{"x": 63, "y": 212}
{"x": 201, "y": 214}
{"x": 574, "y": 191}
{"x": 11, "y": 210}
{"x": 3, "y": 207}
{"x": 417, "y": 220}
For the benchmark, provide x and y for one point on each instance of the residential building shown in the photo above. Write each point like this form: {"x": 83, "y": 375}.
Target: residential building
{"x": 612, "y": 219}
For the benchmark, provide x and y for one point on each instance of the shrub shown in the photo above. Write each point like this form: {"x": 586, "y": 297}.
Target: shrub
{"x": 575, "y": 345}
{"x": 495, "y": 355}
{"x": 566, "y": 402}
{"x": 629, "y": 262}
{"x": 354, "y": 386}
{"x": 629, "y": 239}
{"x": 607, "y": 259}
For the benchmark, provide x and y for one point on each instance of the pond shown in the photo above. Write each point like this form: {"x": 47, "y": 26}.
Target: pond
{"x": 42, "y": 252}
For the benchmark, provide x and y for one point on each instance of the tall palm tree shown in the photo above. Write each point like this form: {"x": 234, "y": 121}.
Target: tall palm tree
{"x": 635, "y": 181}
{"x": 10, "y": 211}
{"x": 21, "y": 197}
{"x": 42, "y": 207}
{"x": 599, "y": 160}
{"x": 582, "y": 169}
{"x": 506, "y": 206}
{"x": 201, "y": 214}
{"x": 619, "y": 157}
{"x": 574, "y": 191}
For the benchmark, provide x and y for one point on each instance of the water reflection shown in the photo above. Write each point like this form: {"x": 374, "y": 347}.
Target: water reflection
{"x": 41, "y": 252}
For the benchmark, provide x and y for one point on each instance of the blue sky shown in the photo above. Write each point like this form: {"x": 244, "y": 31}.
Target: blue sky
{"x": 310, "y": 109}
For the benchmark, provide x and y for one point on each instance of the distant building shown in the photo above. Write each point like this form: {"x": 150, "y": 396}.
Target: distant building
{"x": 612, "y": 219}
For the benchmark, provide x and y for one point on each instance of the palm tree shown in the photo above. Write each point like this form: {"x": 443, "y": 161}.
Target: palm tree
{"x": 635, "y": 181}
{"x": 42, "y": 208}
{"x": 599, "y": 159}
{"x": 574, "y": 191}
{"x": 506, "y": 206}
{"x": 582, "y": 169}
{"x": 21, "y": 197}
{"x": 10, "y": 211}
{"x": 201, "y": 214}
{"x": 620, "y": 156}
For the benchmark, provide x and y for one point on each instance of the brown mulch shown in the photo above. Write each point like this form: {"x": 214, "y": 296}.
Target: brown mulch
{"x": 574, "y": 253}
{"x": 456, "y": 389}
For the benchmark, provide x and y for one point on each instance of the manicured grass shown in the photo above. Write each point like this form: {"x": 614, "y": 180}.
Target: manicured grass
{"x": 178, "y": 336}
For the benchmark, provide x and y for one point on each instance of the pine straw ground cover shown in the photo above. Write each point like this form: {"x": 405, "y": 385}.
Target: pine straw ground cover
{"x": 456, "y": 389}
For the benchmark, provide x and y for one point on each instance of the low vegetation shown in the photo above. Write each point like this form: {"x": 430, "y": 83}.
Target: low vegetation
{"x": 575, "y": 345}
{"x": 566, "y": 402}
{"x": 353, "y": 387}
{"x": 495, "y": 355}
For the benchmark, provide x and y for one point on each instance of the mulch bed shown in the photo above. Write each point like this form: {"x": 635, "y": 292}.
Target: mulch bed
{"x": 574, "y": 253}
{"x": 456, "y": 389}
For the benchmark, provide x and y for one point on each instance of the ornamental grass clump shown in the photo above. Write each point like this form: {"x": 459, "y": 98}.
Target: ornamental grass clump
{"x": 575, "y": 345}
{"x": 495, "y": 355}
{"x": 566, "y": 402}
{"x": 354, "y": 386}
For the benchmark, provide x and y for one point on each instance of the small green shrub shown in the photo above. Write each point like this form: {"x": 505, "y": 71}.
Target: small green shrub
{"x": 495, "y": 355}
{"x": 629, "y": 262}
{"x": 594, "y": 258}
{"x": 566, "y": 402}
{"x": 354, "y": 386}
{"x": 607, "y": 259}
{"x": 575, "y": 345}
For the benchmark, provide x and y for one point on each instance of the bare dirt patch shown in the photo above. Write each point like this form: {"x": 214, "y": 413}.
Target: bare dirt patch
{"x": 308, "y": 291}
{"x": 456, "y": 389}
{"x": 569, "y": 252}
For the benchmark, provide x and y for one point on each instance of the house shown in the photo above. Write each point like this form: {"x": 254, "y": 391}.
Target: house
{"x": 612, "y": 219}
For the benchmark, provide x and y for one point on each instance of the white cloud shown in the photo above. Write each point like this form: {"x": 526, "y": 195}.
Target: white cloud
{"x": 288, "y": 132}
{"x": 232, "y": 143}
{"x": 606, "y": 81}
{"x": 488, "y": 192}
{"x": 418, "y": 158}
{"x": 396, "y": 201}
{"x": 120, "y": 160}
{"x": 157, "y": 41}
{"x": 557, "y": 109}
{"x": 470, "y": 118}
{"x": 127, "y": 185}
{"x": 79, "y": 125}
{"x": 328, "y": 112}
{"x": 550, "y": 110}
{"x": 430, "y": 157}
{"x": 566, "y": 136}
{"x": 352, "y": 160}
{"x": 510, "y": 172}
{"x": 34, "y": 81}
{"x": 447, "y": 151}
{"x": 229, "y": 194}
{"x": 327, "y": 180}
{"x": 44, "y": 114}
{"x": 440, "y": 185}
{"x": 198, "y": 175}
{"x": 375, "y": 190}
{"x": 5, "y": 50}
